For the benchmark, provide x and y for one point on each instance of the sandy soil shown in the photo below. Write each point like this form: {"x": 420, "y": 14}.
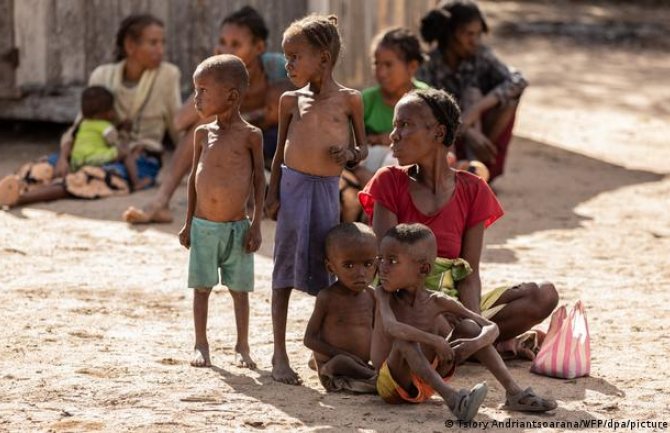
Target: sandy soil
{"x": 96, "y": 321}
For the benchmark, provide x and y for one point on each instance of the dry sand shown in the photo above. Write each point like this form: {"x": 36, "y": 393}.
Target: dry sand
{"x": 96, "y": 321}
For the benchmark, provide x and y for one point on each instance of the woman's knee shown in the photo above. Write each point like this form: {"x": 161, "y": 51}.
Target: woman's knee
{"x": 544, "y": 298}
{"x": 466, "y": 328}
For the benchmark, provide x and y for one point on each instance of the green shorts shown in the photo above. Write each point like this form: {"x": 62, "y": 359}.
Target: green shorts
{"x": 220, "y": 247}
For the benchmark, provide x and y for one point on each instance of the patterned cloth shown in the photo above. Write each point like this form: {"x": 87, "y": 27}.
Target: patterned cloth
{"x": 483, "y": 71}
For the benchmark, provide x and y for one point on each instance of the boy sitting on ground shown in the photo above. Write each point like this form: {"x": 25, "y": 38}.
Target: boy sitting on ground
{"x": 227, "y": 166}
{"x": 416, "y": 349}
{"x": 340, "y": 329}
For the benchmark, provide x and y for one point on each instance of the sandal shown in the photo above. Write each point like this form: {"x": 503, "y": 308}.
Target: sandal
{"x": 528, "y": 401}
{"x": 468, "y": 402}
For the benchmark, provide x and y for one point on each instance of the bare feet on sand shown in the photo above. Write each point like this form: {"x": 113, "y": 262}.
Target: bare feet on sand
{"x": 10, "y": 190}
{"x": 282, "y": 372}
{"x": 148, "y": 215}
{"x": 243, "y": 358}
{"x": 201, "y": 357}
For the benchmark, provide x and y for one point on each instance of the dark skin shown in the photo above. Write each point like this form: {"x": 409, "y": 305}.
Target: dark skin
{"x": 227, "y": 161}
{"x": 409, "y": 314}
{"x": 239, "y": 41}
{"x": 315, "y": 123}
{"x": 418, "y": 140}
{"x": 340, "y": 328}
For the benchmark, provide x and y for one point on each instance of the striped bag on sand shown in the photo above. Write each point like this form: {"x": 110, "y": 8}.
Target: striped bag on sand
{"x": 566, "y": 351}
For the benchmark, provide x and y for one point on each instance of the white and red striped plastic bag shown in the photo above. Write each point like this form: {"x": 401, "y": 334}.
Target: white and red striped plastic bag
{"x": 566, "y": 351}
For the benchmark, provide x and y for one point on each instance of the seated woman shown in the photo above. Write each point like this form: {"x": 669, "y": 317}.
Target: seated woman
{"x": 455, "y": 204}
{"x": 487, "y": 91}
{"x": 244, "y": 34}
{"x": 396, "y": 56}
{"x": 146, "y": 98}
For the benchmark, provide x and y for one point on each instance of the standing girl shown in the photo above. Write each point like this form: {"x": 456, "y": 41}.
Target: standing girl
{"x": 314, "y": 144}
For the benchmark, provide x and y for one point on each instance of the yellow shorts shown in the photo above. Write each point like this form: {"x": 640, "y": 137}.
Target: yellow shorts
{"x": 389, "y": 390}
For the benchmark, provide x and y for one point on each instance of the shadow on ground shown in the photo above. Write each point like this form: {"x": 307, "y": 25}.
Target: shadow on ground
{"x": 534, "y": 172}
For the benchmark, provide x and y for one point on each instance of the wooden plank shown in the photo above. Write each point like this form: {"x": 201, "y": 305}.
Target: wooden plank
{"x": 7, "y": 70}
{"x": 102, "y": 21}
{"x": 66, "y": 61}
{"x": 30, "y": 37}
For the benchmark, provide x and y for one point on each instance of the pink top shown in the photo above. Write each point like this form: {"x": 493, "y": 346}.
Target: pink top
{"x": 473, "y": 202}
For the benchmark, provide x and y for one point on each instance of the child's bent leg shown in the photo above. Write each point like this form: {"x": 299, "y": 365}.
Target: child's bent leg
{"x": 200, "y": 304}
{"x": 281, "y": 368}
{"x": 407, "y": 358}
{"x": 241, "y": 303}
{"x": 343, "y": 365}
{"x": 491, "y": 359}
{"x": 342, "y": 372}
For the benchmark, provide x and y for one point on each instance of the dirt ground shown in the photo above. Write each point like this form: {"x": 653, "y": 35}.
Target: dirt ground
{"x": 96, "y": 324}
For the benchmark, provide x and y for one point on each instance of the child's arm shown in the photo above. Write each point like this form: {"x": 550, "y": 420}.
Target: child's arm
{"x": 286, "y": 103}
{"x": 401, "y": 331}
{"x": 253, "y": 238}
{"x": 489, "y": 331}
{"x": 359, "y": 150}
{"x": 185, "y": 232}
{"x": 312, "y": 339}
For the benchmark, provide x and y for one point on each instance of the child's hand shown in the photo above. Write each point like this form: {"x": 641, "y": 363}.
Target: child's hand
{"x": 444, "y": 351}
{"x": 464, "y": 347}
{"x": 185, "y": 235}
{"x": 339, "y": 154}
{"x": 271, "y": 207}
{"x": 252, "y": 240}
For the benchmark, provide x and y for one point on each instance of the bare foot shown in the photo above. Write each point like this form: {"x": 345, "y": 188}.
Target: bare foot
{"x": 147, "y": 215}
{"x": 201, "y": 357}
{"x": 243, "y": 358}
{"x": 10, "y": 190}
{"x": 282, "y": 372}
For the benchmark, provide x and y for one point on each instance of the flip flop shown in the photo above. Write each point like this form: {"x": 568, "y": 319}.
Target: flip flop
{"x": 10, "y": 190}
{"x": 532, "y": 403}
{"x": 468, "y": 402}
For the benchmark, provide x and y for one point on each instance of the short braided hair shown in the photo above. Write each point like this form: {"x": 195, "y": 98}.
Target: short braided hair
{"x": 445, "y": 109}
{"x": 320, "y": 31}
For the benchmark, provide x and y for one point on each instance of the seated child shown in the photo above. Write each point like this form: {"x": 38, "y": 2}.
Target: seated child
{"x": 228, "y": 165}
{"x": 416, "y": 349}
{"x": 340, "y": 329}
{"x": 96, "y": 140}
{"x": 396, "y": 56}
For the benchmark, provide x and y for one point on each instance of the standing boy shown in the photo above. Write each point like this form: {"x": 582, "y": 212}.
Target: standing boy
{"x": 227, "y": 161}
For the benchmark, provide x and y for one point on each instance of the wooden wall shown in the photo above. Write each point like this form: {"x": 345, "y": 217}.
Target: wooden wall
{"x": 61, "y": 41}
{"x": 359, "y": 22}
